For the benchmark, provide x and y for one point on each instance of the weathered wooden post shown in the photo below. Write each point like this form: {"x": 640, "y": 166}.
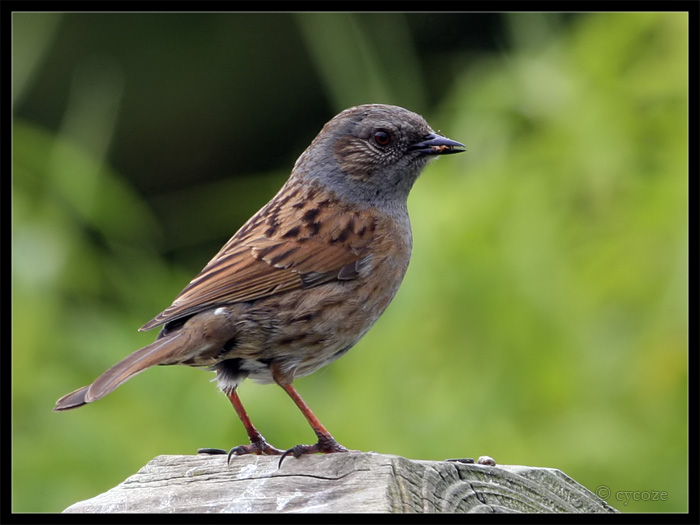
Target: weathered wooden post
{"x": 349, "y": 483}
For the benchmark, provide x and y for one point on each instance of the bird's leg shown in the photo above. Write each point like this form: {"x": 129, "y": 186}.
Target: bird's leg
{"x": 326, "y": 443}
{"x": 258, "y": 445}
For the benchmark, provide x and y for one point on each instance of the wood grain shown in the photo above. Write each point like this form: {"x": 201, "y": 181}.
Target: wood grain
{"x": 334, "y": 483}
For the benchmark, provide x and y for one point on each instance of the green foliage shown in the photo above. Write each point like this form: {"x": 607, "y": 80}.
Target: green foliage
{"x": 543, "y": 320}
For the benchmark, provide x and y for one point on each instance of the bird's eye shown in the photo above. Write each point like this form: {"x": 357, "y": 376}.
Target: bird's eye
{"x": 382, "y": 138}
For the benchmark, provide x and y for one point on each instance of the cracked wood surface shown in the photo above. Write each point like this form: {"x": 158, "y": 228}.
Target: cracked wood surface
{"x": 352, "y": 482}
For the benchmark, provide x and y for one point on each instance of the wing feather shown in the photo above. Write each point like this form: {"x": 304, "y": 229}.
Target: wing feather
{"x": 293, "y": 242}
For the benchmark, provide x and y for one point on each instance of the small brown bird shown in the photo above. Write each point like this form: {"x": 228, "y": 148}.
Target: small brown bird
{"x": 306, "y": 277}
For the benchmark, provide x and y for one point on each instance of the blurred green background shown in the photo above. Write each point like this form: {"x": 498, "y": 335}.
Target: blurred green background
{"x": 543, "y": 320}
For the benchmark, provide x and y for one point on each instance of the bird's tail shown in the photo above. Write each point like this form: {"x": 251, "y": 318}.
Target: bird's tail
{"x": 159, "y": 352}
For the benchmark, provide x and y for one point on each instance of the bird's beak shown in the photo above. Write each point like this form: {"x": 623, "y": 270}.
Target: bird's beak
{"x": 434, "y": 144}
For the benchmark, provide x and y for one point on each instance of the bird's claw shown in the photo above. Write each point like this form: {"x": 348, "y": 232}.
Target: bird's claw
{"x": 325, "y": 445}
{"x": 255, "y": 447}
{"x": 211, "y": 451}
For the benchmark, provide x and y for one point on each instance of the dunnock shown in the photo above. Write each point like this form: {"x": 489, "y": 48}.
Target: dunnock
{"x": 306, "y": 277}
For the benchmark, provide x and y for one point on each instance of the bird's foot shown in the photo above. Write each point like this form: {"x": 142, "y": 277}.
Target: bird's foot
{"x": 256, "y": 447}
{"x": 325, "y": 445}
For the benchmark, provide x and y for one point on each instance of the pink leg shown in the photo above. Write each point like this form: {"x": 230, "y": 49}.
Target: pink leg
{"x": 326, "y": 443}
{"x": 258, "y": 445}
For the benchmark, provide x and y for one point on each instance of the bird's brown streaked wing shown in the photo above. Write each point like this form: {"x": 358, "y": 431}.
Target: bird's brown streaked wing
{"x": 318, "y": 243}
